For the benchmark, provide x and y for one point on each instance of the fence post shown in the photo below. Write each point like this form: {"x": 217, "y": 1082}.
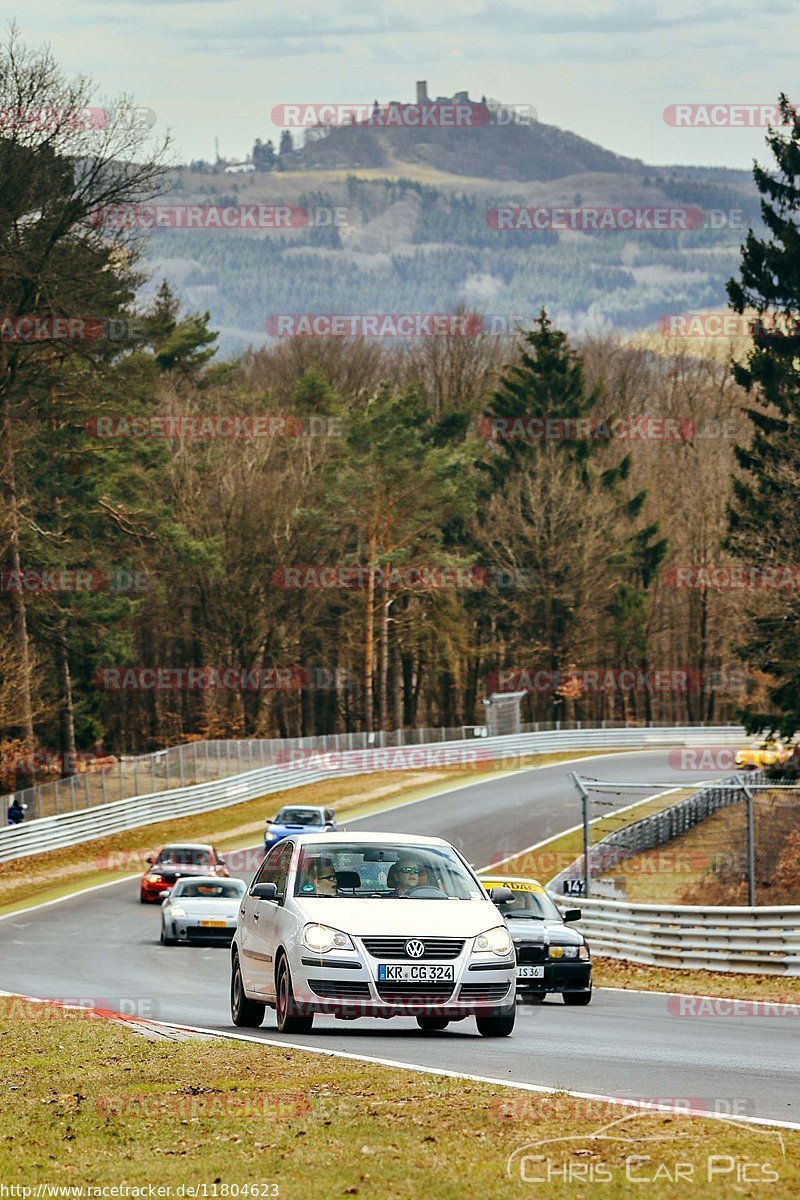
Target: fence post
{"x": 121, "y": 784}
{"x": 180, "y": 765}
{"x": 86, "y": 788}
{"x": 194, "y": 761}
{"x": 585, "y": 810}
{"x": 751, "y": 848}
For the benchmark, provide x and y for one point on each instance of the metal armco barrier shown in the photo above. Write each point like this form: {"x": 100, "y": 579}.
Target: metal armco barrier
{"x": 82, "y": 825}
{"x": 751, "y": 941}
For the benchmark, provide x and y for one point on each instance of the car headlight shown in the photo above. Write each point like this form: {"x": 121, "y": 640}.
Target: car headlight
{"x": 154, "y": 879}
{"x": 494, "y": 941}
{"x": 583, "y": 951}
{"x": 269, "y": 836}
{"x": 321, "y": 939}
{"x": 177, "y": 911}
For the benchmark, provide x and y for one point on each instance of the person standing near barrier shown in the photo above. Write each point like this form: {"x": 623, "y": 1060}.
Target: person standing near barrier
{"x": 16, "y": 813}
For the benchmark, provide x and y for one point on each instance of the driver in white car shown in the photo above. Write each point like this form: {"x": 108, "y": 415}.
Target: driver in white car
{"x": 320, "y": 878}
{"x": 405, "y": 875}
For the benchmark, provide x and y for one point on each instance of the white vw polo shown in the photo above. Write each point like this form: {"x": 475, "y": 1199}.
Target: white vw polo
{"x": 371, "y": 925}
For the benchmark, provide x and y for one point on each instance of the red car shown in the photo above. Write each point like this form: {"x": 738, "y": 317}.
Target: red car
{"x": 173, "y": 862}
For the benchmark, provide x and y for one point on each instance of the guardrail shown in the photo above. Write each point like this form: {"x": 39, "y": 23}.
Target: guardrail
{"x": 203, "y": 762}
{"x": 312, "y": 766}
{"x": 750, "y": 941}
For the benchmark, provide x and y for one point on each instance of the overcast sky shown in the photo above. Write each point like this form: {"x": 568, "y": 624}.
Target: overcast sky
{"x": 605, "y": 70}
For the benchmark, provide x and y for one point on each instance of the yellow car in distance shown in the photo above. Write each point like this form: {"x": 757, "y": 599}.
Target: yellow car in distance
{"x": 767, "y": 754}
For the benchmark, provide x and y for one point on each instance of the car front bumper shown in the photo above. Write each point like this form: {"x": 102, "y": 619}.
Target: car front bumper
{"x": 189, "y": 929}
{"x": 348, "y": 986}
{"x": 561, "y": 975}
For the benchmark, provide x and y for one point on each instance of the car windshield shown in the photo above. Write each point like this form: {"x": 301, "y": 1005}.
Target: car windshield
{"x": 528, "y": 902}
{"x": 187, "y": 856}
{"x": 222, "y": 889}
{"x": 391, "y": 871}
{"x": 299, "y": 816}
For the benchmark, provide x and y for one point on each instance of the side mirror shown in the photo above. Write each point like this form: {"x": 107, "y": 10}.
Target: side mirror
{"x": 572, "y": 914}
{"x": 221, "y": 861}
{"x": 265, "y": 891}
{"x": 501, "y": 895}
{"x": 150, "y": 860}
{"x": 165, "y": 896}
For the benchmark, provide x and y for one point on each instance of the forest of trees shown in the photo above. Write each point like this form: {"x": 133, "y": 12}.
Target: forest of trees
{"x": 167, "y": 516}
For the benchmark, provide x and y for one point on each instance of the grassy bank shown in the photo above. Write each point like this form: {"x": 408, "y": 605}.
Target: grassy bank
{"x": 232, "y": 1114}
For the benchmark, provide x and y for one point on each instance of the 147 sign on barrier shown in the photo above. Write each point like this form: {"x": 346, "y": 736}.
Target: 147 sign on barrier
{"x": 574, "y": 887}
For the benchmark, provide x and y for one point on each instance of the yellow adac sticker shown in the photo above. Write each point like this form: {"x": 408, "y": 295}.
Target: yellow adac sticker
{"x": 515, "y": 887}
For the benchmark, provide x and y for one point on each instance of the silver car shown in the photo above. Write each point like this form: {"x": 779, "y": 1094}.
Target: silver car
{"x": 374, "y": 925}
{"x": 201, "y": 908}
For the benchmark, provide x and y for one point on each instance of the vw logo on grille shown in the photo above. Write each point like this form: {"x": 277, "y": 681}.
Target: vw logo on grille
{"x": 415, "y": 949}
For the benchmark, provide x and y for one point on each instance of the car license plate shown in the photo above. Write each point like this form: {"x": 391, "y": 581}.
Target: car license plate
{"x": 530, "y": 972}
{"x": 213, "y": 924}
{"x": 415, "y": 973}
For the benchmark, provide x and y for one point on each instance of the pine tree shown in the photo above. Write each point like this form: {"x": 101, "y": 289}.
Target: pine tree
{"x": 763, "y": 512}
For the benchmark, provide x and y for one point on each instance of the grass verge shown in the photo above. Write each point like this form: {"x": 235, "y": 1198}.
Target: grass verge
{"x": 295, "y": 1125}
{"x": 49, "y": 876}
{"x": 612, "y": 972}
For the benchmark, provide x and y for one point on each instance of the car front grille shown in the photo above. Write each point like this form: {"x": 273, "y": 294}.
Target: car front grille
{"x": 349, "y": 989}
{"x": 395, "y": 947}
{"x": 490, "y": 992}
{"x": 530, "y": 953}
{"x": 413, "y": 993}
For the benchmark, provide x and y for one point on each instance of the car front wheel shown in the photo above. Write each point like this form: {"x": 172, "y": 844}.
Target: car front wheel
{"x": 497, "y": 1023}
{"x": 168, "y": 941}
{"x": 247, "y": 1014}
{"x": 288, "y": 1015}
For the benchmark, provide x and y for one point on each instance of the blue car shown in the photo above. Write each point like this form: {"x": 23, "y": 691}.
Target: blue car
{"x": 298, "y": 819}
